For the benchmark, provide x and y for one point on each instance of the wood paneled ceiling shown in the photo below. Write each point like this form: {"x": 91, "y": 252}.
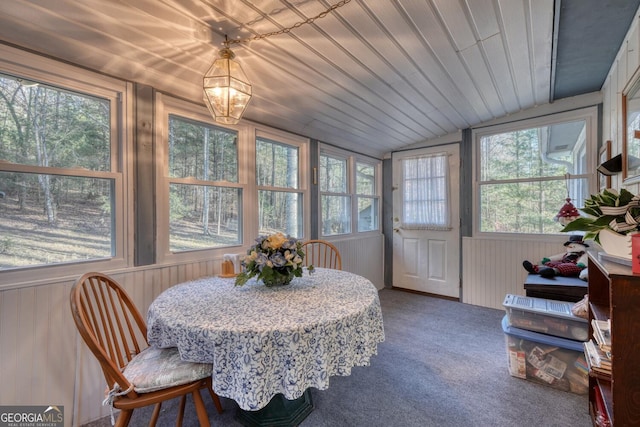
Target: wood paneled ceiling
{"x": 373, "y": 76}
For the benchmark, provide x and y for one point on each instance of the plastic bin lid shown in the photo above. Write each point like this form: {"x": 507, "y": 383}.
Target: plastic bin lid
{"x": 546, "y": 307}
{"x": 540, "y": 338}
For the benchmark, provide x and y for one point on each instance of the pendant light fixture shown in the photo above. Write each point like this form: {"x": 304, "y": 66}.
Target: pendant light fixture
{"x": 227, "y": 90}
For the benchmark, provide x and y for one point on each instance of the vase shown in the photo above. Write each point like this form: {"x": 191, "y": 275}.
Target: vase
{"x": 278, "y": 280}
{"x": 615, "y": 244}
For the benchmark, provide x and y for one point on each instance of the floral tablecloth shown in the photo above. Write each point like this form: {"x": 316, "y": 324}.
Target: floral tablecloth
{"x": 264, "y": 341}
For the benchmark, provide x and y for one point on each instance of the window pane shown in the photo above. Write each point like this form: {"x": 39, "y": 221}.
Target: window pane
{"x": 526, "y": 207}
{"x": 202, "y": 217}
{"x": 426, "y": 192}
{"x": 48, "y": 219}
{"x": 367, "y": 214}
{"x": 276, "y": 164}
{"x": 633, "y": 142}
{"x": 280, "y": 211}
{"x": 531, "y": 153}
{"x": 45, "y": 126}
{"x": 365, "y": 179}
{"x": 202, "y": 151}
{"x": 336, "y": 215}
{"x": 333, "y": 175}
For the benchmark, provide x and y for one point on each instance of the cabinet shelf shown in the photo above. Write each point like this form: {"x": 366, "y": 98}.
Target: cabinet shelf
{"x": 614, "y": 293}
{"x": 599, "y": 312}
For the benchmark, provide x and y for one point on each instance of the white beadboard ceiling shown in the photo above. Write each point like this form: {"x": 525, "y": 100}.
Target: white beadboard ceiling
{"x": 373, "y": 76}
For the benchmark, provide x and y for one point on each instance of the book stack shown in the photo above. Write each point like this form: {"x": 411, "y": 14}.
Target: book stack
{"x": 598, "y": 350}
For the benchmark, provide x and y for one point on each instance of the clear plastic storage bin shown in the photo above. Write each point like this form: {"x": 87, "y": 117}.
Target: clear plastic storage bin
{"x": 555, "y": 362}
{"x": 547, "y": 316}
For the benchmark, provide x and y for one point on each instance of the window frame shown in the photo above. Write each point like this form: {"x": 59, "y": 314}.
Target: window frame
{"x": 167, "y": 106}
{"x": 446, "y": 191}
{"x": 588, "y": 114}
{"x": 352, "y": 159}
{"x": 302, "y": 144}
{"x": 119, "y": 95}
{"x": 248, "y": 132}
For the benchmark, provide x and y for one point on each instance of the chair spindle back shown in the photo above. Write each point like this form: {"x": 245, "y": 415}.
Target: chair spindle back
{"x": 109, "y": 323}
{"x": 321, "y": 253}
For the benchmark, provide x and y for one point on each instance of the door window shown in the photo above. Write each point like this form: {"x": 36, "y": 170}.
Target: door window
{"x": 426, "y": 192}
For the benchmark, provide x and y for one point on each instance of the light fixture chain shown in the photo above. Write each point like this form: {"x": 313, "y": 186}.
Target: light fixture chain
{"x": 288, "y": 29}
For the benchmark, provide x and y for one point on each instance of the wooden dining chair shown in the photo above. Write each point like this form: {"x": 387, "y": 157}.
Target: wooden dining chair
{"x": 137, "y": 374}
{"x": 321, "y": 253}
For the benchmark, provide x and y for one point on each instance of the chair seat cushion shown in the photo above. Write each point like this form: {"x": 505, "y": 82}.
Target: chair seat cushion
{"x": 159, "y": 368}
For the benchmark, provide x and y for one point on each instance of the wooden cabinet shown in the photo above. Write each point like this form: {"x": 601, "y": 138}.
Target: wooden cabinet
{"x": 614, "y": 293}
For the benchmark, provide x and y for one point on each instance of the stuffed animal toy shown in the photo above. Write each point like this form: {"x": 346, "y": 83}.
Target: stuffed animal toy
{"x": 569, "y": 263}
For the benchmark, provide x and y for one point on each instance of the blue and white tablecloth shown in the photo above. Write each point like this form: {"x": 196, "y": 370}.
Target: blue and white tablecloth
{"x": 264, "y": 341}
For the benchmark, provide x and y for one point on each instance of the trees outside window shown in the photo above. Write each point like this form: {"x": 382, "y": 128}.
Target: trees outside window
{"x": 210, "y": 176}
{"x": 349, "y": 193}
{"x": 526, "y": 171}
{"x": 59, "y": 179}
{"x": 366, "y": 194}
{"x": 203, "y": 209}
{"x": 279, "y": 198}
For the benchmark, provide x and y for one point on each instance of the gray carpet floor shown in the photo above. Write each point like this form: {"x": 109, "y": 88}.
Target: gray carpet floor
{"x": 443, "y": 363}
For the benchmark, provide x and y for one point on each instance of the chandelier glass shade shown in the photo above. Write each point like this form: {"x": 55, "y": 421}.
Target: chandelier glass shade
{"x": 227, "y": 89}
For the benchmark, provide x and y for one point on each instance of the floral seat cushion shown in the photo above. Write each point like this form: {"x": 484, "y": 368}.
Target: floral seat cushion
{"x": 158, "y": 368}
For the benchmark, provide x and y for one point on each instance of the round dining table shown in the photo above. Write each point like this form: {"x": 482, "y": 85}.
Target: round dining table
{"x": 267, "y": 342}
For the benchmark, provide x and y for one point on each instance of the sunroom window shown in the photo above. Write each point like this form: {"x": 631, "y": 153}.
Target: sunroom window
{"x": 60, "y": 185}
{"x": 366, "y": 194}
{"x": 204, "y": 211}
{"x": 335, "y": 201}
{"x": 279, "y": 199}
{"x": 349, "y": 193}
{"x": 526, "y": 173}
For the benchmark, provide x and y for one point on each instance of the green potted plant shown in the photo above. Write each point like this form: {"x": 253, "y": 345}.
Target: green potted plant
{"x": 612, "y": 217}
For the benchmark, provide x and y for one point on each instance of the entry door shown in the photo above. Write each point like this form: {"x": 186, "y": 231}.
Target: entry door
{"x": 426, "y": 220}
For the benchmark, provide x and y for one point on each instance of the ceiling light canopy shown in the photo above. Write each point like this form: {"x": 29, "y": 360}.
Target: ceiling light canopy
{"x": 227, "y": 90}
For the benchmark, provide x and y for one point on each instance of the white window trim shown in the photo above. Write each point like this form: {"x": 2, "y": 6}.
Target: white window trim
{"x": 119, "y": 93}
{"x": 302, "y": 144}
{"x": 589, "y": 114}
{"x": 351, "y": 159}
{"x": 247, "y": 134}
{"x": 166, "y": 106}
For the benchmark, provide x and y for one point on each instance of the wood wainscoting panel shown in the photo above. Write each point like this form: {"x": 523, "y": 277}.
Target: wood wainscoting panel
{"x": 492, "y": 267}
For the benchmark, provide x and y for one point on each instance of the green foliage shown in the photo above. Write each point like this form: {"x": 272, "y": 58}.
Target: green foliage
{"x": 523, "y": 207}
{"x": 202, "y": 151}
{"x": 274, "y": 259}
{"x": 177, "y": 209}
{"x": 515, "y": 155}
{"x": 607, "y": 198}
{"x": 49, "y": 127}
{"x": 521, "y": 189}
{"x": 105, "y": 203}
{"x": 597, "y": 220}
{"x": 46, "y": 126}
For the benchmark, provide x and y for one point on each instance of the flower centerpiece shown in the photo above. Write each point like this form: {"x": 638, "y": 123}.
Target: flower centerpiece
{"x": 275, "y": 259}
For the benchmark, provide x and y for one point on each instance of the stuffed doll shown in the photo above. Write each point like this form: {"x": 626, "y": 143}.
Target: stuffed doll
{"x": 569, "y": 264}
